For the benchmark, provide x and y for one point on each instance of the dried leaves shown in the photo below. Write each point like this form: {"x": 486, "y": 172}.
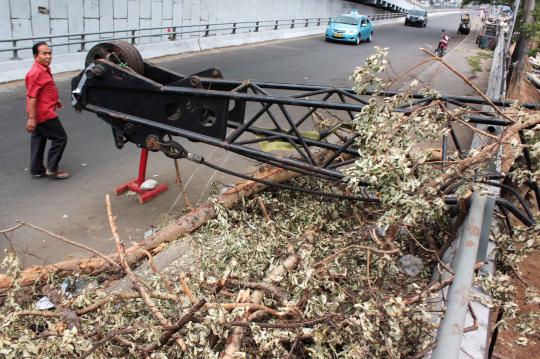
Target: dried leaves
{"x": 345, "y": 296}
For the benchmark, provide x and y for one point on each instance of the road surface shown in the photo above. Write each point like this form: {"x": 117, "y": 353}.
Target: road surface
{"x": 75, "y": 209}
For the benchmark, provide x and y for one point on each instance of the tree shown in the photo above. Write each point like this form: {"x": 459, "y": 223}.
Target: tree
{"x": 521, "y": 50}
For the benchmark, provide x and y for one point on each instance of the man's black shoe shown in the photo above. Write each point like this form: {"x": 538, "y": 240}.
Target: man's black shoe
{"x": 38, "y": 175}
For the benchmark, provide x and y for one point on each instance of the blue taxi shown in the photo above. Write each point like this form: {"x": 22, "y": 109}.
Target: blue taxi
{"x": 353, "y": 28}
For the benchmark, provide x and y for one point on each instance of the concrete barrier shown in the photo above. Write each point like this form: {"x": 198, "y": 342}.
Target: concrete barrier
{"x": 168, "y": 48}
{"x": 16, "y": 70}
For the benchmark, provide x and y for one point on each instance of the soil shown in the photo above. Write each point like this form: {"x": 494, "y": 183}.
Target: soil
{"x": 506, "y": 346}
{"x": 527, "y": 91}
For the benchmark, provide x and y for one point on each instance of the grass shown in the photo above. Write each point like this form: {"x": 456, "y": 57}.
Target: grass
{"x": 485, "y": 54}
{"x": 474, "y": 62}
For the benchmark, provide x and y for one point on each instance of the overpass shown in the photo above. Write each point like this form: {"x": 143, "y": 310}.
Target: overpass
{"x": 390, "y": 5}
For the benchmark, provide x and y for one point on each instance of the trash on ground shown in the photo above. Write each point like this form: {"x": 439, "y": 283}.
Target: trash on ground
{"x": 149, "y": 184}
{"x": 44, "y": 303}
{"x": 535, "y": 62}
{"x": 535, "y": 79}
{"x": 410, "y": 264}
{"x": 151, "y": 232}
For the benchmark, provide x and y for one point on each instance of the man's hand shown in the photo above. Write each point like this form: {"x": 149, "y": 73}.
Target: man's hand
{"x": 31, "y": 125}
{"x": 58, "y": 106}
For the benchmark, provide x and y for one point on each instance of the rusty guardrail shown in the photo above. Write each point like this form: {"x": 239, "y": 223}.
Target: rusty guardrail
{"x": 473, "y": 241}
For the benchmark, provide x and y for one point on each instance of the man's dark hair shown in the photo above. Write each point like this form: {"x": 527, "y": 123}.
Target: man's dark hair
{"x": 35, "y": 47}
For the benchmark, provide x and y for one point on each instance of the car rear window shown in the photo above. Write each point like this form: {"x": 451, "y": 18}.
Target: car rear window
{"x": 347, "y": 19}
{"x": 417, "y": 13}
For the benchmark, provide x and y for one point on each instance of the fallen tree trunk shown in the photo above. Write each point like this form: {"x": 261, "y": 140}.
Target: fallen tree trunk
{"x": 487, "y": 153}
{"x": 237, "y": 334}
{"x": 184, "y": 225}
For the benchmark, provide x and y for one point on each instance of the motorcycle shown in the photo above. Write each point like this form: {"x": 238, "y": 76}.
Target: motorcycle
{"x": 441, "y": 48}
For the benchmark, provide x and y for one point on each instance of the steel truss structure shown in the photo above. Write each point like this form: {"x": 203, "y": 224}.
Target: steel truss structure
{"x": 145, "y": 103}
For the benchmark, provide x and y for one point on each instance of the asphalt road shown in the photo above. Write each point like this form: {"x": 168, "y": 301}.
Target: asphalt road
{"x": 75, "y": 209}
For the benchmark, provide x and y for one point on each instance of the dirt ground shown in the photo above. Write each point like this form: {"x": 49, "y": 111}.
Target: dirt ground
{"x": 506, "y": 346}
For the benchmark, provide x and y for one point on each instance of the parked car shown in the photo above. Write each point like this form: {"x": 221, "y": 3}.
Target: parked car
{"x": 353, "y": 28}
{"x": 417, "y": 18}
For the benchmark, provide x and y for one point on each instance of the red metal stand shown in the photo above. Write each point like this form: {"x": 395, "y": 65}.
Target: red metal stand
{"x": 135, "y": 185}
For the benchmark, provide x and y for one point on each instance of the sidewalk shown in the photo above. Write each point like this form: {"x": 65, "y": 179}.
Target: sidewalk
{"x": 466, "y": 58}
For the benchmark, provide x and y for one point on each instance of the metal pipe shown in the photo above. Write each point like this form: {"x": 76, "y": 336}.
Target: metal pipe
{"x": 288, "y": 163}
{"x": 482, "y": 120}
{"x": 465, "y": 99}
{"x": 416, "y": 95}
{"x": 474, "y": 236}
{"x": 516, "y": 194}
{"x": 279, "y": 100}
{"x": 285, "y": 186}
{"x": 457, "y": 143}
{"x": 448, "y": 344}
{"x": 444, "y": 150}
{"x": 529, "y": 222}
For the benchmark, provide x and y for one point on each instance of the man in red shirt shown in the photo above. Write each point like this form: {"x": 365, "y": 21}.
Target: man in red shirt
{"x": 43, "y": 123}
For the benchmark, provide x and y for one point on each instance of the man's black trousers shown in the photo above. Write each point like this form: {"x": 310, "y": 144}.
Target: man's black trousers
{"x": 49, "y": 130}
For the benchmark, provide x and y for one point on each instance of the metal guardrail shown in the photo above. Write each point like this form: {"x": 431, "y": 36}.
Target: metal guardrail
{"x": 173, "y": 33}
{"x": 474, "y": 233}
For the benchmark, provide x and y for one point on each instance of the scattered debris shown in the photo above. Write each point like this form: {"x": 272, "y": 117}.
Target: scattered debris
{"x": 411, "y": 264}
{"x": 151, "y": 232}
{"x": 44, "y": 303}
{"x": 319, "y": 282}
{"x": 131, "y": 193}
{"x": 535, "y": 61}
{"x": 534, "y": 78}
{"x": 149, "y": 185}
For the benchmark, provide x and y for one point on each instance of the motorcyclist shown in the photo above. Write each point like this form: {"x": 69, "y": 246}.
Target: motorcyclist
{"x": 443, "y": 43}
{"x": 444, "y": 39}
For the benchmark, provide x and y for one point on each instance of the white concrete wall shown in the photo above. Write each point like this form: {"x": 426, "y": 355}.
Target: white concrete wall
{"x": 16, "y": 70}
{"x": 27, "y": 18}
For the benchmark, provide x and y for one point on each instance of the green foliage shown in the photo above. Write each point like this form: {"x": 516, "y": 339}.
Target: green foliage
{"x": 532, "y": 30}
{"x": 344, "y": 273}
{"x": 392, "y": 159}
{"x": 474, "y": 63}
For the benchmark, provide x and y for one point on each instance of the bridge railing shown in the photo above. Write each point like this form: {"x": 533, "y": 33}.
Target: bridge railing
{"x": 83, "y": 41}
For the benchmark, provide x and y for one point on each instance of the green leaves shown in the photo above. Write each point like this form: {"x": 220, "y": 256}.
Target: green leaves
{"x": 392, "y": 157}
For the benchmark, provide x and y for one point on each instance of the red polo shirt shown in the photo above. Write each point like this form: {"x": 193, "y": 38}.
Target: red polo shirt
{"x": 40, "y": 85}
